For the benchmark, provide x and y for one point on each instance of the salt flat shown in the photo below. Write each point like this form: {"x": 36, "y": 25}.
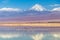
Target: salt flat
{"x": 31, "y": 24}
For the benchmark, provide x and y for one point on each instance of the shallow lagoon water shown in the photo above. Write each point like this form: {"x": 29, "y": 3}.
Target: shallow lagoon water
{"x": 29, "y": 33}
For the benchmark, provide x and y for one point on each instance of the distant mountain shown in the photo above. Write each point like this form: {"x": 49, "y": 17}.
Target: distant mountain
{"x": 29, "y": 15}
{"x": 22, "y": 14}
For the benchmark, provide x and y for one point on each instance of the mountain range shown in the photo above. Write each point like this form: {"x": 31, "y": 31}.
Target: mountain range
{"x": 36, "y": 13}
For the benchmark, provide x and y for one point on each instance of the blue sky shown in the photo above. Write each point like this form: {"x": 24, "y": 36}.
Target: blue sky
{"x": 26, "y": 4}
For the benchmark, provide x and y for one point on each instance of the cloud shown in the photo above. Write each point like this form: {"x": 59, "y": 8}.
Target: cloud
{"x": 37, "y": 36}
{"x": 37, "y": 7}
{"x": 56, "y": 9}
{"x": 9, "y": 35}
{"x": 10, "y": 9}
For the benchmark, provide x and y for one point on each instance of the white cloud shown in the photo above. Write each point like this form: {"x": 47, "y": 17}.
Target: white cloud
{"x": 10, "y": 9}
{"x": 37, "y": 36}
{"x": 38, "y": 7}
{"x": 9, "y": 35}
{"x": 56, "y": 9}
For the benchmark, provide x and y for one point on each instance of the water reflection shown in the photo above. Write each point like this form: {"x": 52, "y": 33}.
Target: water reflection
{"x": 29, "y": 33}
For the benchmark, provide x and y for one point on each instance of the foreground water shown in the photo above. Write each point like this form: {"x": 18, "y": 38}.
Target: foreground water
{"x": 29, "y": 33}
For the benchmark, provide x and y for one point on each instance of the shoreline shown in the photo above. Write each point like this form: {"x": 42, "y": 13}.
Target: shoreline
{"x": 31, "y": 24}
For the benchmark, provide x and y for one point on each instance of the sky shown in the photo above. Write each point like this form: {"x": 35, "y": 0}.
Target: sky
{"x": 26, "y": 4}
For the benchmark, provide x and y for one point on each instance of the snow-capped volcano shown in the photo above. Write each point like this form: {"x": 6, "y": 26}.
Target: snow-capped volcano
{"x": 37, "y": 7}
